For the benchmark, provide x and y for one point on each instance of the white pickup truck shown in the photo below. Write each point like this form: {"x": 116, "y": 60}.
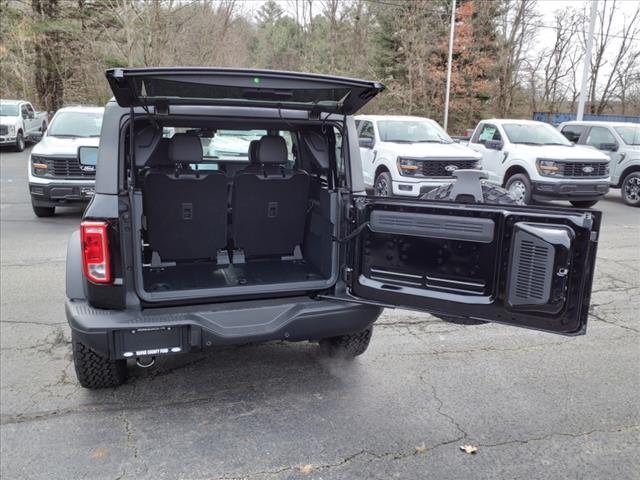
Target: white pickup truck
{"x": 534, "y": 161}
{"x": 20, "y": 123}
{"x": 621, "y": 142}
{"x": 408, "y": 156}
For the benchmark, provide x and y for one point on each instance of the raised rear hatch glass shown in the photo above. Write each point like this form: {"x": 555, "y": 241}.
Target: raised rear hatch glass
{"x": 234, "y": 87}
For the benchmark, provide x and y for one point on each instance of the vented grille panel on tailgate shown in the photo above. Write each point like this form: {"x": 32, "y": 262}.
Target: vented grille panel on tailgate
{"x": 531, "y": 270}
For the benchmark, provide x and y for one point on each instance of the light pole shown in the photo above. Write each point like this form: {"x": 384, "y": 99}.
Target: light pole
{"x": 446, "y": 96}
{"x": 587, "y": 60}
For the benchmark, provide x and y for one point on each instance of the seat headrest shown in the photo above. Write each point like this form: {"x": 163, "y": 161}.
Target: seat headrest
{"x": 185, "y": 148}
{"x": 253, "y": 151}
{"x": 272, "y": 150}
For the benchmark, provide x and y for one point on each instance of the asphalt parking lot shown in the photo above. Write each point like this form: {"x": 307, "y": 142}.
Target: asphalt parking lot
{"x": 534, "y": 404}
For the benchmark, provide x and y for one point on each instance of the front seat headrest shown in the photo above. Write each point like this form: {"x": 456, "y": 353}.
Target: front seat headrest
{"x": 253, "y": 151}
{"x": 272, "y": 150}
{"x": 185, "y": 148}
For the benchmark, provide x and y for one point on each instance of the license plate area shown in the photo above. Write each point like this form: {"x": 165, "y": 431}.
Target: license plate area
{"x": 151, "y": 341}
{"x": 87, "y": 192}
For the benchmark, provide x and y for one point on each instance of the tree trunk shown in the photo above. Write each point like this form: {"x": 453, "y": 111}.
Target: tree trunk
{"x": 48, "y": 75}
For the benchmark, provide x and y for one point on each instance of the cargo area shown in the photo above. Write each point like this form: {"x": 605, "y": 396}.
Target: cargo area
{"x": 227, "y": 212}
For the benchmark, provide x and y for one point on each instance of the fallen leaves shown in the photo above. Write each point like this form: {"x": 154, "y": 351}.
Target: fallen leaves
{"x": 469, "y": 449}
{"x": 306, "y": 469}
{"x": 99, "y": 453}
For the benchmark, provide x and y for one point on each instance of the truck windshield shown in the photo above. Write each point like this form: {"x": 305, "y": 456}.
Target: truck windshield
{"x": 411, "y": 131}
{"x": 534, "y": 134}
{"x": 630, "y": 135}
{"x": 76, "y": 124}
{"x": 8, "y": 110}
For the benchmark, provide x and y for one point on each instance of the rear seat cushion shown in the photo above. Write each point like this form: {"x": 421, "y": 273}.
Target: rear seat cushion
{"x": 270, "y": 203}
{"x": 186, "y": 214}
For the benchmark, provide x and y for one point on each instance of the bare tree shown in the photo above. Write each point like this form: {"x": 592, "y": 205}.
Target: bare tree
{"x": 561, "y": 60}
{"x": 516, "y": 28}
{"x": 611, "y": 48}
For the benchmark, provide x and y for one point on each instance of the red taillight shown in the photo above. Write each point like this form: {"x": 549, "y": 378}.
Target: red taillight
{"x": 95, "y": 251}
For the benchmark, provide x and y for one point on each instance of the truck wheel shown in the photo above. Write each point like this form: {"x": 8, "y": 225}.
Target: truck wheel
{"x": 43, "y": 211}
{"x": 631, "y": 189}
{"x": 519, "y": 187}
{"x": 95, "y": 371}
{"x": 19, "y": 146}
{"x": 346, "y": 346}
{"x": 382, "y": 187}
{"x": 583, "y": 203}
{"x": 490, "y": 194}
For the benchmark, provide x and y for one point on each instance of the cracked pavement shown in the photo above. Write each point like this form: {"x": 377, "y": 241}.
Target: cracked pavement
{"x": 536, "y": 405}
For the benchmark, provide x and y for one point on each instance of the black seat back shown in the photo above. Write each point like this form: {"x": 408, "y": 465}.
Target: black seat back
{"x": 186, "y": 211}
{"x": 269, "y": 202}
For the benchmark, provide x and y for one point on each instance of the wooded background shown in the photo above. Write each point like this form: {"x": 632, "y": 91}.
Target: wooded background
{"x": 54, "y": 52}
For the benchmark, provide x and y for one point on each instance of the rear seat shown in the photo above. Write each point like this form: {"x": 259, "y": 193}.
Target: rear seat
{"x": 186, "y": 211}
{"x": 269, "y": 202}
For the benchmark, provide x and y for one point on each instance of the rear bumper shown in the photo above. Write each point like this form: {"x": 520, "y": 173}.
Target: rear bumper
{"x": 54, "y": 194}
{"x": 570, "y": 190}
{"x": 127, "y": 333}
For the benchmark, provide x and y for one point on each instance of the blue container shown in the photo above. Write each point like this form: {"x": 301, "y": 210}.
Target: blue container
{"x": 557, "y": 118}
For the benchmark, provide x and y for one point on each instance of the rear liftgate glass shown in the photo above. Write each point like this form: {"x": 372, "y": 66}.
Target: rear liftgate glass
{"x": 514, "y": 265}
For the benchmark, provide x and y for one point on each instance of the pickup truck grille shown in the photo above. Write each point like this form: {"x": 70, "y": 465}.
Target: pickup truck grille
{"x": 4, "y": 129}
{"x": 68, "y": 167}
{"x": 438, "y": 167}
{"x": 584, "y": 169}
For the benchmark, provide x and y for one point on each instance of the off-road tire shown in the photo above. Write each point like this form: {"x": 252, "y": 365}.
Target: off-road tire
{"x": 43, "y": 211}
{"x": 583, "y": 203}
{"x": 346, "y": 346}
{"x": 490, "y": 194}
{"x": 383, "y": 186}
{"x": 630, "y": 189}
{"x": 95, "y": 371}
{"x": 20, "y": 143}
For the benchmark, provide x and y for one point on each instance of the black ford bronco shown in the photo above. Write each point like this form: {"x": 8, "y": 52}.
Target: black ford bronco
{"x": 230, "y": 208}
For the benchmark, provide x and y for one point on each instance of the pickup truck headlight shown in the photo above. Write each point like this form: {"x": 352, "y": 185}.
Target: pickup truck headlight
{"x": 39, "y": 165}
{"x": 548, "y": 168}
{"x": 12, "y": 129}
{"x": 407, "y": 166}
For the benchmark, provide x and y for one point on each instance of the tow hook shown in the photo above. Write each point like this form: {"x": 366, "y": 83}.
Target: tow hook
{"x": 150, "y": 362}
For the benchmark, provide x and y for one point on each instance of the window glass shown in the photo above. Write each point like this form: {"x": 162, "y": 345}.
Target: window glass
{"x": 573, "y": 132}
{"x": 8, "y": 110}
{"x": 75, "y": 124}
{"x": 598, "y": 136}
{"x": 367, "y": 130}
{"x": 412, "y": 131}
{"x": 30, "y": 108}
{"x": 630, "y": 135}
{"x": 489, "y": 132}
{"x": 534, "y": 134}
{"x": 229, "y": 145}
{"x": 24, "y": 110}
